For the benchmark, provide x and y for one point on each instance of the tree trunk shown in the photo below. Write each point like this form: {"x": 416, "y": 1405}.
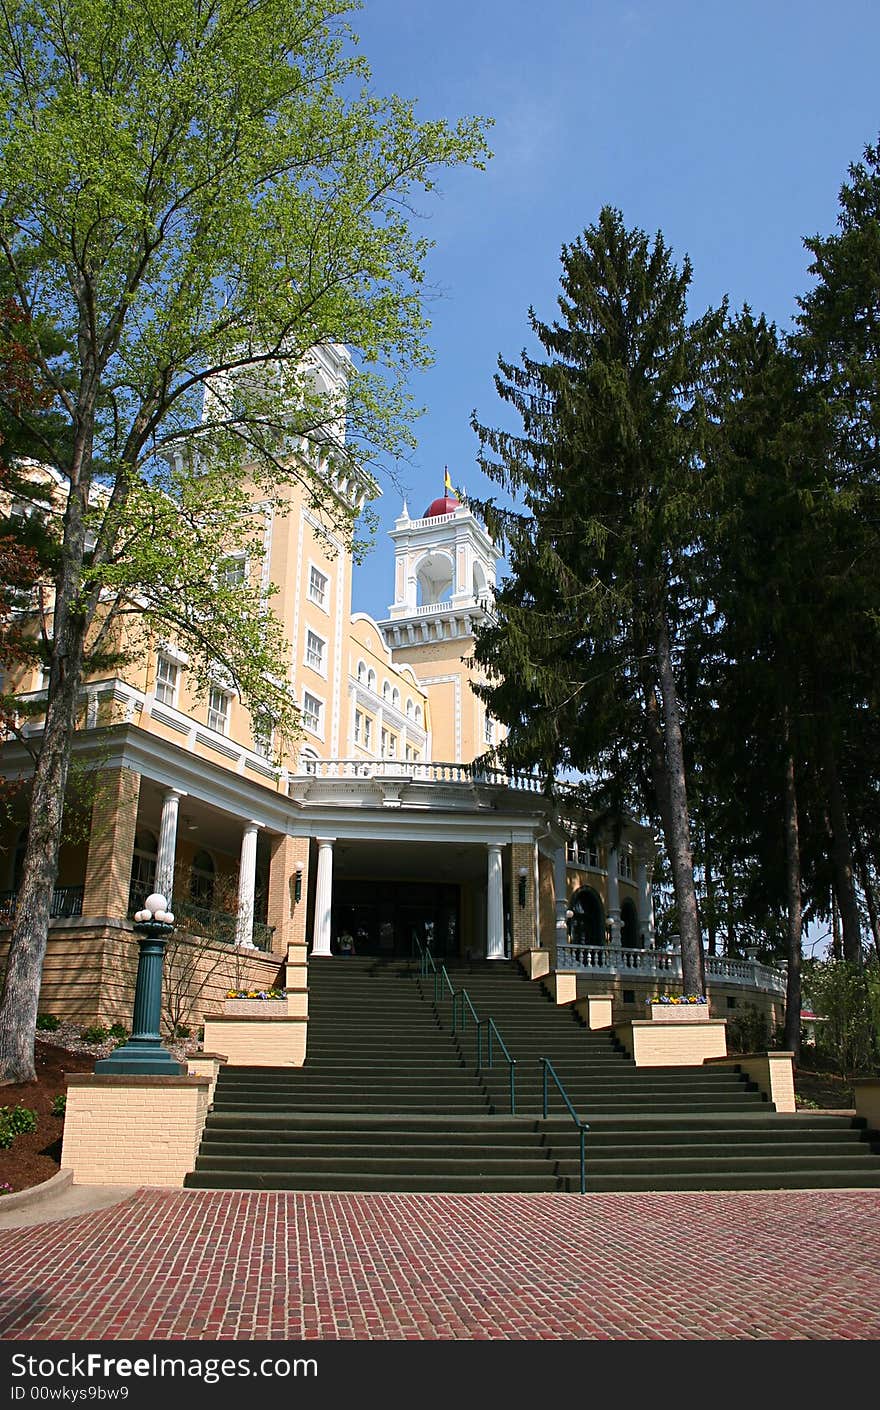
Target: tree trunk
{"x": 841, "y": 858}
{"x": 679, "y": 841}
{"x": 794, "y": 898}
{"x": 711, "y": 916}
{"x": 30, "y": 930}
{"x": 868, "y": 889}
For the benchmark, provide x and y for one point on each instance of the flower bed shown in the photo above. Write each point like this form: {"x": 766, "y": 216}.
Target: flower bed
{"x": 678, "y": 1008}
{"x": 256, "y": 1003}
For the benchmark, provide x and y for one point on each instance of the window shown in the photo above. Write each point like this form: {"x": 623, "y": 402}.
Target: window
{"x": 389, "y": 745}
{"x": 315, "y": 646}
{"x": 358, "y": 727}
{"x": 201, "y": 880}
{"x": 143, "y": 869}
{"x": 418, "y": 714}
{"x": 309, "y": 762}
{"x": 395, "y": 698}
{"x": 318, "y": 586}
{"x": 409, "y": 709}
{"x": 361, "y": 671}
{"x": 264, "y": 733}
{"x": 311, "y": 712}
{"x": 371, "y": 679}
{"x": 625, "y": 865}
{"x": 218, "y": 709}
{"x": 488, "y": 728}
{"x": 368, "y": 732}
{"x": 166, "y": 681}
{"x": 233, "y": 572}
{"x": 386, "y": 691}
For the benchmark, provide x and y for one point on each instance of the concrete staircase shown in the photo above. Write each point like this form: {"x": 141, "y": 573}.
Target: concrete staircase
{"x": 389, "y": 1099}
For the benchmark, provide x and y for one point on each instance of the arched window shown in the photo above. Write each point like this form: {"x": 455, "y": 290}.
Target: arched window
{"x": 395, "y": 698}
{"x": 409, "y": 709}
{"x": 362, "y": 671}
{"x": 143, "y": 868}
{"x": 629, "y": 925}
{"x": 418, "y": 714}
{"x": 371, "y": 679}
{"x": 201, "y": 880}
{"x": 386, "y": 690}
{"x": 588, "y": 920}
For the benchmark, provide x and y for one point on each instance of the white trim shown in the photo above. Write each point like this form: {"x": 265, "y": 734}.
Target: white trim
{"x": 320, "y": 700}
{"x": 322, "y": 668}
{"x": 172, "y": 651}
{"x": 311, "y": 567}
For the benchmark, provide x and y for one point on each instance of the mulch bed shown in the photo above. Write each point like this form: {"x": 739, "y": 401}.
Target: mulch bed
{"x": 35, "y": 1156}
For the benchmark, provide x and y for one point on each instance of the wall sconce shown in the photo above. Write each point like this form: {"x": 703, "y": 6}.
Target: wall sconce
{"x": 298, "y": 883}
{"x": 523, "y": 873}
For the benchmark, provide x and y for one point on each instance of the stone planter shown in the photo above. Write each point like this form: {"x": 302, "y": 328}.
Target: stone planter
{"x": 255, "y": 1008}
{"x": 677, "y": 1013}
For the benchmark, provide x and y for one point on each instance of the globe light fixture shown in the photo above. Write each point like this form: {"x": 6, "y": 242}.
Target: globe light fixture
{"x": 144, "y": 1053}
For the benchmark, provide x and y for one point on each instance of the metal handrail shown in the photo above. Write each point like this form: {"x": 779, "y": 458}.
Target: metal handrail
{"x": 440, "y": 975}
{"x": 460, "y": 998}
{"x": 490, "y": 1029}
{"x": 464, "y": 998}
{"x": 582, "y": 1126}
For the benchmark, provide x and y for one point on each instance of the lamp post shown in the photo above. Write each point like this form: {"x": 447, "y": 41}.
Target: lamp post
{"x": 144, "y": 1053}
{"x": 298, "y": 884}
{"x": 523, "y": 874}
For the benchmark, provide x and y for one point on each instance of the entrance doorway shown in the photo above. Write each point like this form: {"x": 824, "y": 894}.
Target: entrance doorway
{"x": 386, "y": 917}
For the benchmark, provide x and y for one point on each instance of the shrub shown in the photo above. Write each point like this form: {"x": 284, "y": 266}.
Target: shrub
{"x": 748, "y": 1031}
{"x": 14, "y": 1121}
{"x": 182, "y": 1031}
{"x": 59, "y": 1104}
{"x": 118, "y": 1030}
{"x": 48, "y": 1022}
{"x": 95, "y": 1034}
{"x": 849, "y": 998}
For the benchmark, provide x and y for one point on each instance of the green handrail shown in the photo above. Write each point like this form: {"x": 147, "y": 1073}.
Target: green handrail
{"x": 490, "y": 1029}
{"x": 460, "y": 997}
{"x": 440, "y": 975}
{"x": 464, "y": 998}
{"x": 582, "y": 1126}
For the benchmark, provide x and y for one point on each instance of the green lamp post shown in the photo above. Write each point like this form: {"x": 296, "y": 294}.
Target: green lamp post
{"x": 144, "y": 1053}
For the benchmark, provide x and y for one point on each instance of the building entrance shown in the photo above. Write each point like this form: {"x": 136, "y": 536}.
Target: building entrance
{"x": 385, "y": 917}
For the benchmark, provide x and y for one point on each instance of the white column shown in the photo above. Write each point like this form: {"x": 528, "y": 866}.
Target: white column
{"x": 613, "y": 897}
{"x": 495, "y": 905}
{"x": 646, "y": 905}
{"x": 247, "y": 876}
{"x": 323, "y": 897}
{"x": 168, "y": 843}
{"x": 562, "y": 937}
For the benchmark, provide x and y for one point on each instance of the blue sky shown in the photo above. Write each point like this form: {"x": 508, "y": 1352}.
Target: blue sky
{"x": 728, "y": 126}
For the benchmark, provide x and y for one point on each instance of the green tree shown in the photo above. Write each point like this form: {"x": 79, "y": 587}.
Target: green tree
{"x": 609, "y": 466}
{"x": 193, "y": 199}
{"x": 838, "y": 342}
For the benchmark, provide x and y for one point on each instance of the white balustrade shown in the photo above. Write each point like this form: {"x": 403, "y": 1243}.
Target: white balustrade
{"x": 666, "y": 964}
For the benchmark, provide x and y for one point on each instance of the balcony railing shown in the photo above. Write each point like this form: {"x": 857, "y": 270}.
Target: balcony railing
{"x": 666, "y": 964}
{"x": 420, "y": 772}
{"x": 191, "y": 919}
{"x": 66, "y": 901}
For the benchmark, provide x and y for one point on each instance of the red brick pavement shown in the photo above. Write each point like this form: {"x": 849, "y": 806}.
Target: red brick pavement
{"x": 206, "y": 1265}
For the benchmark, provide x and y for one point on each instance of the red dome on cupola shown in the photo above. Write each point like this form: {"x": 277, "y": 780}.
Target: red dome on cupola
{"x": 446, "y": 505}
